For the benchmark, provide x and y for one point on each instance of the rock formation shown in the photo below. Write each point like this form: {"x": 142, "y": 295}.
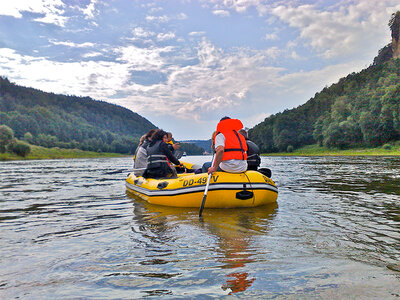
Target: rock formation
{"x": 395, "y": 48}
{"x": 394, "y": 25}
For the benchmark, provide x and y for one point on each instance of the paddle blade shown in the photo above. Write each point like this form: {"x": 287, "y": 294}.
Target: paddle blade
{"x": 178, "y": 153}
{"x": 202, "y": 204}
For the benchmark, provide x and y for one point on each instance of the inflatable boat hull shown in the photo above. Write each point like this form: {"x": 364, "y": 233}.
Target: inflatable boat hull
{"x": 226, "y": 190}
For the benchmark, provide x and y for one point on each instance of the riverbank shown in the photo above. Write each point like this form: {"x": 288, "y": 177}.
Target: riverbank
{"x": 38, "y": 152}
{"x": 315, "y": 150}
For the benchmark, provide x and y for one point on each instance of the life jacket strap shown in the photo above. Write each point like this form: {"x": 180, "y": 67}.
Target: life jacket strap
{"x": 240, "y": 142}
{"x": 233, "y": 149}
{"x": 157, "y": 158}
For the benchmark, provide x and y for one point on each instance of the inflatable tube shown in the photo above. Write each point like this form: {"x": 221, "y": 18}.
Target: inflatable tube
{"x": 226, "y": 190}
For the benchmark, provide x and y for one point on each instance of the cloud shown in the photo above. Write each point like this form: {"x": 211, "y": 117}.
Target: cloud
{"x": 165, "y": 36}
{"x": 240, "y": 6}
{"x": 72, "y": 44}
{"x": 197, "y": 33}
{"x": 142, "y": 59}
{"x": 96, "y": 79}
{"x": 165, "y": 18}
{"x": 271, "y": 36}
{"x": 295, "y": 56}
{"x": 158, "y": 19}
{"x": 181, "y": 16}
{"x": 52, "y": 10}
{"x": 221, "y": 13}
{"x": 343, "y": 31}
{"x": 219, "y": 81}
{"x": 90, "y": 10}
{"x": 91, "y": 54}
{"x": 139, "y": 32}
{"x": 156, "y": 9}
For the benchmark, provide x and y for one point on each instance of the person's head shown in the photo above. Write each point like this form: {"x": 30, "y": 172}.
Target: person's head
{"x": 224, "y": 118}
{"x": 169, "y": 136}
{"x": 149, "y": 134}
{"x": 159, "y": 135}
{"x": 146, "y": 136}
{"x": 244, "y": 133}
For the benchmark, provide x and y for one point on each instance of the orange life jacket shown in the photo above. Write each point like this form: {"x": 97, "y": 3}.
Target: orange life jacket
{"x": 235, "y": 143}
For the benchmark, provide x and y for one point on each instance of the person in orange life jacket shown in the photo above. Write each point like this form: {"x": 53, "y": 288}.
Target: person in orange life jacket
{"x": 230, "y": 147}
{"x": 159, "y": 156}
{"x": 171, "y": 145}
{"x": 253, "y": 152}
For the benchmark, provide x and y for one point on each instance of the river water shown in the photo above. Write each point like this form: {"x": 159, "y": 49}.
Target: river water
{"x": 69, "y": 230}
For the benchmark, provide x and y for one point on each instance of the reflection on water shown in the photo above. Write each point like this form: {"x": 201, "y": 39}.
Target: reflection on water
{"x": 68, "y": 230}
{"x": 232, "y": 230}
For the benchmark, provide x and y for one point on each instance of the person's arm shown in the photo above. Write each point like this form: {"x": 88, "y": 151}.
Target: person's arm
{"x": 219, "y": 153}
{"x": 168, "y": 154}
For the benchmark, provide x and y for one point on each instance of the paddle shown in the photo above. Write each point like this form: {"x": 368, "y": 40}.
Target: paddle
{"x": 206, "y": 190}
{"x": 178, "y": 153}
{"x": 123, "y": 170}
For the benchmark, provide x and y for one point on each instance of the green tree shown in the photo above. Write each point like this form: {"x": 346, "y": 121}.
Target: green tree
{"x": 21, "y": 148}
{"x": 6, "y": 137}
{"x": 28, "y": 137}
{"x": 334, "y": 136}
{"x": 352, "y": 135}
{"x": 369, "y": 123}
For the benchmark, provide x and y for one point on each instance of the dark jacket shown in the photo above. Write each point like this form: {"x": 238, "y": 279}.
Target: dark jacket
{"x": 253, "y": 155}
{"x": 158, "y": 155}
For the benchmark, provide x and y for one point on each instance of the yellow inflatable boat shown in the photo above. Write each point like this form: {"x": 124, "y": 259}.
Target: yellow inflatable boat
{"x": 226, "y": 190}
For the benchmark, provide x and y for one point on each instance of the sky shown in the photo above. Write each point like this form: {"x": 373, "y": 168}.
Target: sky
{"x": 183, "y": 65}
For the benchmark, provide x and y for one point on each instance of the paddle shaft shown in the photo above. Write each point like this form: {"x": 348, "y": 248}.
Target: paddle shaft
{"x": 206, "y": 190}
{"x": 205, "y": 195}
{"x": 139, "y": 169}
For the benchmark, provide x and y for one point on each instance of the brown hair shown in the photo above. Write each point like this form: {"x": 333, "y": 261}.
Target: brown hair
{"x": 158, "y": 135}
{"x": 146, "y": 136}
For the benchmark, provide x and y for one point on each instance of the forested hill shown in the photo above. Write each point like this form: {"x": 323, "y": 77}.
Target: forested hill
{"x": 362, "y": 109}
{"x": 50, "y": 120}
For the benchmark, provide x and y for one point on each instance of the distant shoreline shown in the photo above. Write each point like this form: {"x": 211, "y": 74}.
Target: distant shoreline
{"x": 315, "y": 150}
{"x": 38, "y": 153}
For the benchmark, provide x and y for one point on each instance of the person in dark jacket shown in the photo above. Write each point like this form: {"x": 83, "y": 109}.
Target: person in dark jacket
{"x": 159, "y": 157}
{"x": 253, "y": 153}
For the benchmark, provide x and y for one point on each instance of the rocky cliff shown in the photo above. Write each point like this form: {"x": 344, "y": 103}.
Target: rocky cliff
{"x": 395, "y": 48}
